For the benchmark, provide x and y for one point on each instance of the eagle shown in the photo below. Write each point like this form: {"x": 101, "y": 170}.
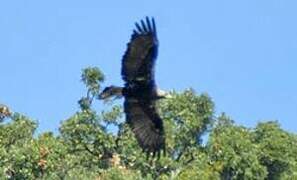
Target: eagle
{"x": 140, "y": 91}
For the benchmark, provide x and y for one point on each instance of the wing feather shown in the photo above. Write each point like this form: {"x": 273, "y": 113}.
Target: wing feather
{"x": 139, "y": 58}
{"x": 145, "y": 124}
{"x": 144, "y": 26}
{"x": 138, "y": 74}
{"x": 138, "y": 28}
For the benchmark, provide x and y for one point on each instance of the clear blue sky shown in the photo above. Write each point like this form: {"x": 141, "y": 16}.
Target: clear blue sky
{"x": 242, "y": 53}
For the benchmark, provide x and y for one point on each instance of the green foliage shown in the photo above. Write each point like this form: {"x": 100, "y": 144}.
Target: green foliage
{"x": 187, "y": 117}
{"x": 200, "y": 168}
{"x": 97, "y": 144}
{"x": 233, "y": 153}
{"x": 16, "y": 138}
{"x": 116, "y": 173}
{"x": 278, "y": 150}
{"x": 92, "y": 77}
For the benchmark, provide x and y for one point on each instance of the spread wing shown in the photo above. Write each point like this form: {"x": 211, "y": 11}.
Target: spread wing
{"x": 139, "y": 59}
{"x": 145, "y": 123}
{"x": 138, "y": 74}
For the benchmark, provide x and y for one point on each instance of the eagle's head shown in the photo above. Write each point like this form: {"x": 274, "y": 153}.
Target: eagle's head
{"x": 160, "y": 94}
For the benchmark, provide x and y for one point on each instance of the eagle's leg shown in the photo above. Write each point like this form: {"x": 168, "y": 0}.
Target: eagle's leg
{"x": 111, "y": 91}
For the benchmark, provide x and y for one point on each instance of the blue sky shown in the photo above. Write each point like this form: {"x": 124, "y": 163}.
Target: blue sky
{"x": 242, "y": 53}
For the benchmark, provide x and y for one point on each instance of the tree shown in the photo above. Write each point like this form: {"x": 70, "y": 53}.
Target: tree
{"x": 278, "y": 150}
{"x": 233, "y": 153}
{"x": 98, "y": 144}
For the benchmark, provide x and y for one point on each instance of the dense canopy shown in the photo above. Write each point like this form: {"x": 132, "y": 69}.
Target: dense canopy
{"x": 96, "y": 144}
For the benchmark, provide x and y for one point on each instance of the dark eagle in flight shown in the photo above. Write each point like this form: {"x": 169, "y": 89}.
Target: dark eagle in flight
{"x": 140, "y": 90}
